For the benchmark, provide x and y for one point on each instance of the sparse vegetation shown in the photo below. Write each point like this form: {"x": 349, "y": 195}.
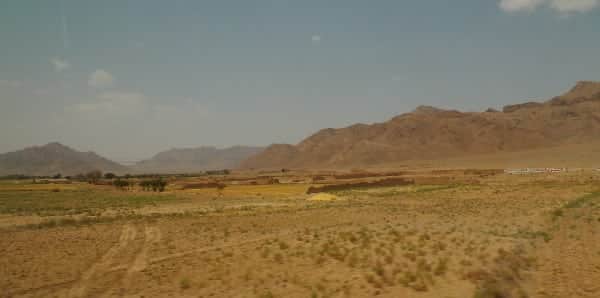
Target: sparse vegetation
{"x": 71, "y": 202}
{"x": 367, "y": 244}
{"x": 185, "y": 284}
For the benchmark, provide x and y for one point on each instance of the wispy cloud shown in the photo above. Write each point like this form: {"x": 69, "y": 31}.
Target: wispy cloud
{"x": 101, "y": 79}
{"x": 520, "y": 5}
{"x": 560, "y": 6}
{"x": 574, "y": 6}
{"x": 60, "y": 64}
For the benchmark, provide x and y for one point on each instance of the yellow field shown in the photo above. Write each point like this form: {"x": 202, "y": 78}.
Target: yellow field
{"x": 270, "y": 191}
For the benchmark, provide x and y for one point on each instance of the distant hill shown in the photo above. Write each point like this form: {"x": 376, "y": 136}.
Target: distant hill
{"x": 54, "y": 158}
{"x": 189, "y": 160}
{"x": 429, "y": 133}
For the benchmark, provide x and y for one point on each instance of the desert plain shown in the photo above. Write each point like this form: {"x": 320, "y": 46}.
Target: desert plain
{"x": 413, "y": 233}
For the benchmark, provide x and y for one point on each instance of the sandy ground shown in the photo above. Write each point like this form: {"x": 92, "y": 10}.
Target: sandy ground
{"x": 514, "y": 235}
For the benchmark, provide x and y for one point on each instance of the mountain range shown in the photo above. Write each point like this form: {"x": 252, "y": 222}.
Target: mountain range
{"x": 430, "y": 133}
{"x": 54, "y": 158}
{"x": 190, "y": 160}
{"x": 427, "y": 133}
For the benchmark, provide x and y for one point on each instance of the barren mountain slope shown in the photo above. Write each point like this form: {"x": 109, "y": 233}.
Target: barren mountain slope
{"x": 430, "y": 133}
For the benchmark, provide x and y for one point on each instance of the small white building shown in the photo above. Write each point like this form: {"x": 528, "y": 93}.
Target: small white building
{"x": 534, "y": 171}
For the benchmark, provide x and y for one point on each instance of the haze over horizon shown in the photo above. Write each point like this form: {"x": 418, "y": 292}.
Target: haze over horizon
{"x": 128, "y": 79}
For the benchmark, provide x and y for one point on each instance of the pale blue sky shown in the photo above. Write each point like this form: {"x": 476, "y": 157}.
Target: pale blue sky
{"x": 130, "y": 78}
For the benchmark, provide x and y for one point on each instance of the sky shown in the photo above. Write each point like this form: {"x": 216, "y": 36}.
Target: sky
{"x": 128, "y": 79}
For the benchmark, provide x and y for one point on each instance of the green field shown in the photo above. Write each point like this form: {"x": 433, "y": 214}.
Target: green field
{"x": 77, "y": 201}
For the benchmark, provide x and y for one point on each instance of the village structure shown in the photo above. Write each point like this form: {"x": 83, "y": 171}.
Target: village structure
{"x": 536, "y": 171}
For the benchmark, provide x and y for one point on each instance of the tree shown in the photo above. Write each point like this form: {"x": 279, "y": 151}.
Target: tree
{"x": 144, "y": 184}
{"x": 110, "y": 176}
{"x": 159, "y": 185}
{"x": 93, "y": 176}
{"x": 57, "y": 176}
{"x": 121, "y": 184}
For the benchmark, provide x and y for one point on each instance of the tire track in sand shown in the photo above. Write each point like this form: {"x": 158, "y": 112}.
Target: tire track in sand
{"x": 128, "y": 234}
{"x": 152, "y": 235}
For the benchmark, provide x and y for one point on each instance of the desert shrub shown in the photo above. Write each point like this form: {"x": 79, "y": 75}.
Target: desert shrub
{"x": 185, "y": 284}
{"x": 283, "y": 245}
{"x": 278, "y": 258}
{"x": 441, "y": 267}
{"x": 504, "y": 279}
{"x": 557, "y": 213}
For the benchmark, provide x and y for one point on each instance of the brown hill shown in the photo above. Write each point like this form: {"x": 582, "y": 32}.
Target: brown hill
{"x": 52, "y": 159}
{"x": 189, "y": 160}
{"x": 429, "y": 133}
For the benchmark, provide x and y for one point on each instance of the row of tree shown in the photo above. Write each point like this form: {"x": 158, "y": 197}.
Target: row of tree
{"x": 96, "y": 175}
{"x": 122, "y": 184}
{"x": 156, "y": 185}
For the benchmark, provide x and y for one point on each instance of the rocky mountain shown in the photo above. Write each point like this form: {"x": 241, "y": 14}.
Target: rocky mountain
{"x": 431, "y": 133}
{"x": 191, "y": 160}
{"x": 54, "y": 158}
